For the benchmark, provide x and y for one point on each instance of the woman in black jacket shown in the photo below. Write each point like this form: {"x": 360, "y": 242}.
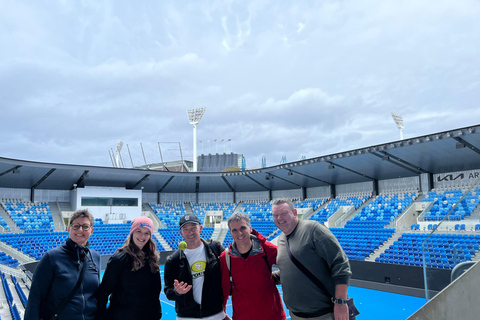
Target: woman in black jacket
{"x": 132, "y": 278}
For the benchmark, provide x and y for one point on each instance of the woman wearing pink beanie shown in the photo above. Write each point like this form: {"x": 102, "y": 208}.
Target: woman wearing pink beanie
{"x": 132, "y": 278}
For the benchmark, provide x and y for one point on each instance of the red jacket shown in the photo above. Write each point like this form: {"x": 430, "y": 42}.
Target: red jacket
{"x": 255, "y": 295}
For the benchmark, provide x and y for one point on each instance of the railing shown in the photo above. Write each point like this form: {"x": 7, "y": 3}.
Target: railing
{"x": 21, "y": 295}
{"x": 345, "y": 215}
{"x": 12, "y": 271}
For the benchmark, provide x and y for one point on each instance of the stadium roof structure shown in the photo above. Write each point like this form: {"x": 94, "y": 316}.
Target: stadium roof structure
{"x": 442, "y": 152}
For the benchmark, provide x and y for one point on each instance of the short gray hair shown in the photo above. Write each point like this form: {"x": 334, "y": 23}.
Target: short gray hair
{"x": 280, "y": 201}
{"x": 237, "y": 217}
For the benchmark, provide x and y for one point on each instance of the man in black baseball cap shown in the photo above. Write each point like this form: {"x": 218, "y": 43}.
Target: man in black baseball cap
{"x": 189, "y": 218}
{"x": 193, "y": 276}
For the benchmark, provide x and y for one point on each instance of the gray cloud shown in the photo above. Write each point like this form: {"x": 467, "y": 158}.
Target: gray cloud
{"x": 279, "y": 79}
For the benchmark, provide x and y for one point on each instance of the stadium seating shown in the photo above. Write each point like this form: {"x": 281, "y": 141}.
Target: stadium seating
{"x": 382, "y": 210}
{"x": 200, "y": 209}
{"x": 326, "y": 212}
{"x": 173, "y": 236}
{"x": 443, "y": 203}
{"x": 4, "y": 224}
{"x": 15, "y": 315}
{"x": 261, "y": 219}
{"x": 169, "y": 214}
{"x": 360, "y": 243}
{"x": 361, "y": 236}
{"x": 7, "y": 260}
{"x": 106, "y": 239}
{"x": 228, "y": 239}
{"x": 310, "y": 203}
{"x": 366, "y": 231}
{"x": 30, "y": 216}
{"x": 442, "y": 251}
{"x": 21, "y": 294}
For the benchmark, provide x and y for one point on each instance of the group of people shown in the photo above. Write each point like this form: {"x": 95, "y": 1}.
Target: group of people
{"x": 312, "y": 268}
{"x": 66, "y": 282}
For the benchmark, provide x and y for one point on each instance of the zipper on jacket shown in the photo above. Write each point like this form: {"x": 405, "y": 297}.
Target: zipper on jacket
{"x": 83, "y": 297}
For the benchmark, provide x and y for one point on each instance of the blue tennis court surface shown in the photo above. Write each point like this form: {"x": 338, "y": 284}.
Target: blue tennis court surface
{"x": 372, "y": 304}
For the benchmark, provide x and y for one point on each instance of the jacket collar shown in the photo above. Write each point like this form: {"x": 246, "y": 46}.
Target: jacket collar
{"x": 256, "y": 247}
{"x": 75, "y": 250}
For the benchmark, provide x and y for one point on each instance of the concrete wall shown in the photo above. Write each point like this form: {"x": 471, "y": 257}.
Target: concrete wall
{"x": 319, "y": 192}
{"x": 130, "y": 212}
{"x": 292, "y": 194}
{"x": 459, "y": 300}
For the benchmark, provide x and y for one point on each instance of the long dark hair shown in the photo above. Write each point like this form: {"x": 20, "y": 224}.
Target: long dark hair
{"x": 140, "y": 256}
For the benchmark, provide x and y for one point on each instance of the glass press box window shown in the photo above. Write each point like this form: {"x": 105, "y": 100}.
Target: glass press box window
{"x": 107, "y": 202}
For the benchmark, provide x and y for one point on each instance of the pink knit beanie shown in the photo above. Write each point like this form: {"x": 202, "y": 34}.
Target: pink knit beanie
{"x": 141, "y": 222}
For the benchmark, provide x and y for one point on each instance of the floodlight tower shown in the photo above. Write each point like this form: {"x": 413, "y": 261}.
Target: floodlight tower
{"x": 118, "y": 154}
{"x": 399, "y": 122}
{"x": 194, "y": 117}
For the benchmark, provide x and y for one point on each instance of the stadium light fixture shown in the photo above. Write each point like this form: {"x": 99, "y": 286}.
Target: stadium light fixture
{"x": 194, "y": 117}
{"x": 399, "y": 122}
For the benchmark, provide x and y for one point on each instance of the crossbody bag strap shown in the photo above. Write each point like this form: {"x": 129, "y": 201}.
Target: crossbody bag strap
{"x": 72, "y": 293}
{"x": 227, "y": 259}
{"x": 307, "y": 272}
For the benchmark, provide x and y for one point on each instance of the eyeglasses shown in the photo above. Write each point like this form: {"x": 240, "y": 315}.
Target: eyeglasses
{"x": 84, "y": 227}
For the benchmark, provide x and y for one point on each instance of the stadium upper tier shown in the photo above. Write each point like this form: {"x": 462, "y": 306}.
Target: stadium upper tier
{"x": 444, "y": 202}
{"x": 29, "y": 216}
{"x": 326, "y": 212}
{"x": 382, "y": 210}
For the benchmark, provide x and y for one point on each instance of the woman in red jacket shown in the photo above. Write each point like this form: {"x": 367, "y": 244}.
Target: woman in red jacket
{"x": 248, "y": 263}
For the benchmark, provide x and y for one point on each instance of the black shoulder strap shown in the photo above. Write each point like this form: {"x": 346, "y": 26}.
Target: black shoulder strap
{"x": 64, "y": 303}
{"x": 307, "y": 272}
{"x": 227, "y": 259}
{"x": 215, "y": 246}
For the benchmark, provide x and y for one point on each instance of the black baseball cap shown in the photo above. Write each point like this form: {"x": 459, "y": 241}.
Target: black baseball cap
{"x": 189, "y": 218}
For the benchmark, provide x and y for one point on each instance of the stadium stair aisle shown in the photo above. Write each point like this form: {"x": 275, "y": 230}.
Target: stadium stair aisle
{"x": 383, "y": 247}
{"x": 169, "y": 213}
{"x": 222, "y": 235}
{"x": 162, "y": 240}
{"x": 315, "y": 204}
{"x": 357, "y": 210}
{"x": 8, "y": 220}
{"x": 152, "y": 215}
{"x": 56, "y": 210}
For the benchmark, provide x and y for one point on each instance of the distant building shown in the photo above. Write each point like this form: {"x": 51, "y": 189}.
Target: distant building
{"x": 218, "y": 162}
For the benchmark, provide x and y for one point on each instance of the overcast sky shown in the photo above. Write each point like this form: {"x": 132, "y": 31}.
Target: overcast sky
{"x": 278, "y": 78}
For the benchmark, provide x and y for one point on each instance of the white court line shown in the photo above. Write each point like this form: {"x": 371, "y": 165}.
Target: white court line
{"x": 166, "y": 301}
